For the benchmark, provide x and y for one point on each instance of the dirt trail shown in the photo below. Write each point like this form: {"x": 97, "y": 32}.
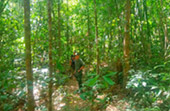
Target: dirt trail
{"x": 65, "y": 98}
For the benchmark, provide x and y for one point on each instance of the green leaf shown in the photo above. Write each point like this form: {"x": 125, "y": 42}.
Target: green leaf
{"x": 92, "y": 82}
{"x": 83, "y": 96}
{"x": 159, "y": 66}
{"x": 92, "y": 74}
{"x": 21, "y": 93}
{"x": 3, "y": 97}
{"x": 108, "y": 80}
{"x": 111, "y": 74}
{"x": 100, "y": 100}
{"x": 7, "y": 107}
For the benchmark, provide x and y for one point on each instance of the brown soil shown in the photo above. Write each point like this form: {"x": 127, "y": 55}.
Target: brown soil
{"x": 69, "y": 101}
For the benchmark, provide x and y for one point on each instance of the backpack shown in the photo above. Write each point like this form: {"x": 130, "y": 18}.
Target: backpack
{"x": 73, "y": 64}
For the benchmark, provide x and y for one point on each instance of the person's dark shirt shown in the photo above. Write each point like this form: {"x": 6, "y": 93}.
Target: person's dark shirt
{"x": 78, "y": 64}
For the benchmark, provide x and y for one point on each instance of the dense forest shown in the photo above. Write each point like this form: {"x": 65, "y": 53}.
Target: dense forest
{"x": 121, "y": 46}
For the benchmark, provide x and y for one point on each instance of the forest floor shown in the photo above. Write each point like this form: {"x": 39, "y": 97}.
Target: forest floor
{"x": 69, "y": 100}
{"x": 65, "y": 99}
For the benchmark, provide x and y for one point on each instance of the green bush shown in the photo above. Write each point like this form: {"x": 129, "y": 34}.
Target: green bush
{"x": 95, "y": 86}
{"x": 150, "y": 89}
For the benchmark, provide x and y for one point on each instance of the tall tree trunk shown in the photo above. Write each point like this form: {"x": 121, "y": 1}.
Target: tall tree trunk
{"x": 166, "y": 36}
{"x": 1, "y": 46}
{"x": 27, "y": 29}
{"x": 67, "y": 33}
{"x": 161, "y": 30}
{"x": 126, "y": 43}
{"x": 109, "y": 31}
{"x": 119, "y": 26}
{"x": 59, "y": 30}
{"x": 89, "y": 45}
{"x": 110, "y": 40}
{"x": 136, "y": 38}
{"x": 50, "y": 54}
{"x": 88, "y": 26}
{"x": 96, "y": 30}
{"x": 148, "y": 30}
{"x": 141, "y": 30}
{"x": 164, "y": 25}
{"x": 104, "y": 44}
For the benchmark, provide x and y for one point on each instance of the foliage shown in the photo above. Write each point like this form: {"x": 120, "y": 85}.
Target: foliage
{"x": 12, "y": 93}
{"x": 149, "y": 81}
{"x": 94, "y": 87}
{"x": 150, "y": 89}
{"x": 61, "y": 79}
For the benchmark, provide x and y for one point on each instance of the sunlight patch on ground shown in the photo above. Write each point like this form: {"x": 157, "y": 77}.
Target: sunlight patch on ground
{"x": 111, "y": 108}
{"x": 118, "y": 106}
{"x": 38, "y": 85}
{"x": 65, "y": 98}
{"x": 41, "y": 71}
{"x": 36, "y": 92}
{"x": 101, "y": 96}
{"x": 59, "y": 107}
{"x": 58, "y": 96}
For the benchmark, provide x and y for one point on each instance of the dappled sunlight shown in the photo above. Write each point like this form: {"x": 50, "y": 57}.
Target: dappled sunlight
{"x": 118, "y": 105}
{"x": 84, "y": 55}
{"x": 68, "y": 97}
{"x": 36, "y": 92}
{"x": 40, "y": 84}
{"x": 111, "y": 108}
{"x": 59, "y": 107}
{"x": 63, "y": 96}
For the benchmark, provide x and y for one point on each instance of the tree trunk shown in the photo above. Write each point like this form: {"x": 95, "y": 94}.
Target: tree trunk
{"x": 59, "y": 30}
{"x": 96, "y": 30}
{"x": 27, "y": 28}
{"x": 119, "y": 26}
{"x": 67, "y": 33}
{"x": 164, "y": 25}
{"x": 110, "y": 40}
{"x": 50, "y": 54}
{"x": 166, "y": 36}
{"x": 88, "y": 27}
{"x": 104, "y": 44}
{"x": 126, "y": 43}
{"x": 141, "y": 31}
{"x": 148, "y": 31}
{"x": 161, "y": 30}
{"x": 89, "y": 45}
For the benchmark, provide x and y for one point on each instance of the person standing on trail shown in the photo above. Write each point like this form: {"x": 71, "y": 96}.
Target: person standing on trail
{"x": 72, "y": 62}
{"x": 79, "y": 66}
